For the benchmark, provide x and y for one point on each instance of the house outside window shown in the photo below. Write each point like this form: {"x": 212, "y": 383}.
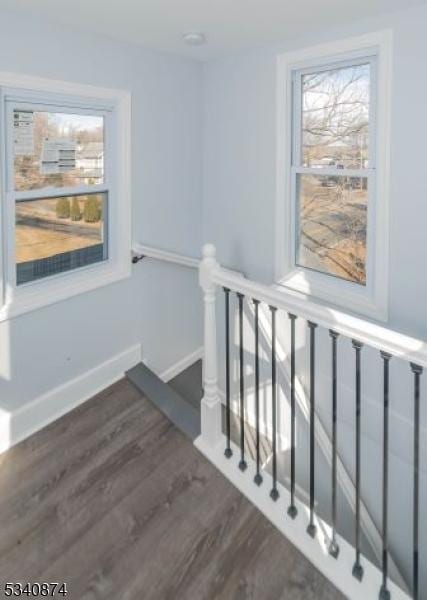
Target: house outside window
{"x": 90, "y": 160}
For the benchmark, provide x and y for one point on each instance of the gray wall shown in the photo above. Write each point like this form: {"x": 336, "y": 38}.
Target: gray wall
{"x": 159, "y": 306}
{"x": 238, "y": 217}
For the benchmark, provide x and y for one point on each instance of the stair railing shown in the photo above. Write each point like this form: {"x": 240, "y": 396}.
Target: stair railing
{"x": 365, "y": 580}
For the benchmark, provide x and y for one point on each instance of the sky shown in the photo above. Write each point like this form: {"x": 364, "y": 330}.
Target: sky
{"x": 80, "y": 122}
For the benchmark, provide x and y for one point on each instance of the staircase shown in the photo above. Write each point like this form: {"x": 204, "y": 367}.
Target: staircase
{"x": 242, "y": 431}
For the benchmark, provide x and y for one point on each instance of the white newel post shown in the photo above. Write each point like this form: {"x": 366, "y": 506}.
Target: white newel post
{"x": 211, "y": 404}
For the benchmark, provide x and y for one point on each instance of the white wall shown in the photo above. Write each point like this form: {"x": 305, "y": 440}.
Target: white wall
{"x": 159, "y": 306}
{"x": 238, "y": 217}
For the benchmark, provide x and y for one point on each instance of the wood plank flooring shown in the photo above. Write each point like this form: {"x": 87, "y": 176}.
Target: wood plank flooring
{"x": 115, "y": 501}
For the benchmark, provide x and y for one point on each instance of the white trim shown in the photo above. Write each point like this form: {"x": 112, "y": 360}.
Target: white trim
{"x": 63, "y": 287}
{"x": 165, "y": 255}
{"x": 40, "y": 293}
{"x": 42, "y": 84}
{"x": 181, "y": 365}
{"x": 371, "y": 300}
{"x": 338, "y": 571}
{"x": 178, "y": 367}
{"x": 25, "y": 421}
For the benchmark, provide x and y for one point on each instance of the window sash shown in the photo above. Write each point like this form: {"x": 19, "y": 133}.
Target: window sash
{"x": 15, "y": 101}
{"x": 68, "y": 256}
{"x": 297, "y": 97}
{"x": 296, "y": 168}
{"x": 57, "y": 192}
{"x": 370, "y": 227}
{"x": 332, "y": 171}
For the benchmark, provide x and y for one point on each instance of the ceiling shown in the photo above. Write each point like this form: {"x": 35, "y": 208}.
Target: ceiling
{"x": 229, "y": 25}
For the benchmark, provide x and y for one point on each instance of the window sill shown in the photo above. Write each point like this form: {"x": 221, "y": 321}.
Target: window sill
{"x": 336, "y": 293}
{"x": 44, "y": 292}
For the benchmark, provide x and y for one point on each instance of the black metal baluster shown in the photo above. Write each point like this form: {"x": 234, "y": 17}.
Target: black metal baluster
{"x": 258, "y": 476}
{"x": 333, "y": 546}
{"x": 292, "y": 510}
{"x": 384, "y": 593}
{"x": 417, "y": 370}
{"x": 228, "y": 452}
{"x": 242, "y": 463}
{"x": 274, "y": 494}
{"x": 311, "y": 529}
{"x": 357, "y": 568}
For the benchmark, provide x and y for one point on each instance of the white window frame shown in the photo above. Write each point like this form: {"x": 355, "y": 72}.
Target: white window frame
{"x": 115, "y": 106}
{"x": 372, "y": 299}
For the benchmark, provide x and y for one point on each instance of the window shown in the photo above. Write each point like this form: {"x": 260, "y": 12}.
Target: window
{"x": 332, "y": 197}
{"x": 59, "y": 187}
{"x": 332, "y": 166}
{"x": 65, "y": 196}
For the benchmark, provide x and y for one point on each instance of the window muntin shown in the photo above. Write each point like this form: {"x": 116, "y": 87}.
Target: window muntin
{"x": 56, "y": 155}
{"x": 333, "y": 164}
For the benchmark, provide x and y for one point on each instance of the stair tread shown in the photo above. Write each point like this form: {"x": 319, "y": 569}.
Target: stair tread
{"x": 182, "y": 413}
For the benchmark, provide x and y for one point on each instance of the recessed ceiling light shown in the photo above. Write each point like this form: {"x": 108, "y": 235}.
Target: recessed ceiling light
{"x": 194, "y": 38}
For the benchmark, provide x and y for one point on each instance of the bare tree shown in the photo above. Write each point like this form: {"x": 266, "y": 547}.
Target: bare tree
{"x": 335, "y": 122}
{"x": 335, "y": 115}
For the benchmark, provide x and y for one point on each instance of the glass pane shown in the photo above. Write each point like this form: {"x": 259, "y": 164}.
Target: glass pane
{"x": 335, "y": 118}
{"x": 53, "y": 149}
{"x": 54, "y": 235}
{"x": 332, "y": 225}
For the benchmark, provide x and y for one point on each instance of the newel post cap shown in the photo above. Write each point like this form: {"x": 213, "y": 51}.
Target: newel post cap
{"x": 209, "y": 251}
{"x": 207, "y": 265}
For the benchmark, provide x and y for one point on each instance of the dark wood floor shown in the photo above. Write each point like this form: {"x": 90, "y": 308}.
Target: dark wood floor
{"x": 113, "y": 500}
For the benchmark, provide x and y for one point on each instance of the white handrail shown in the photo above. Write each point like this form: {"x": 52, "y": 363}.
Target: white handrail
{"x": 379, "y": 337}
{"x": 140, "y": 251}
{"x": 382, "y": 338}
{"x": 165, "y": 255}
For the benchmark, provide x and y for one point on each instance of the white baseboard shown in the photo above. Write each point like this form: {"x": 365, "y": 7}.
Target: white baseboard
{"x": 338, "y": 571}
{"x": 181, "y": 365}
{"x": 20, "y": 424}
